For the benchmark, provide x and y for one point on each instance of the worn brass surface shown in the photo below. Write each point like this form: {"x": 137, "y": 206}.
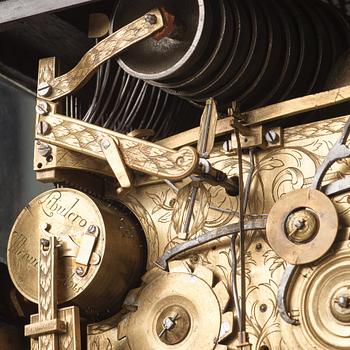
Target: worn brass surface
{"x": 173, "y": 325}
{"x": 104, "y": 50}
{"x": 71, "y": 339}
{"x": 301, "y": 226}
{"x": 313, "y": 299}
{"x": 301, "y": 229}
{"x": 139, "y": 155}
{"x": 266, "y": 114}
{"x": 306, "y": 245}
{"x": 187, "y": 299}
{"x": 68, "y": 215}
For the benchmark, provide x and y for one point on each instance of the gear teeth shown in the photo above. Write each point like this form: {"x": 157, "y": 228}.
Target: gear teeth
{"x": 152, "y": 274}
{"x": 222, "y": 294}
{"x": 226, "y": 325}
{"x": 179, "y": 266}
{"x": 130, "y": 301}
{"x": 205, "y": 274}
{"x": 123, "y": 327}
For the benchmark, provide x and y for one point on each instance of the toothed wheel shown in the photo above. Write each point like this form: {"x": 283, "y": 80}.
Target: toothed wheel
{"x": 180, "y": 310}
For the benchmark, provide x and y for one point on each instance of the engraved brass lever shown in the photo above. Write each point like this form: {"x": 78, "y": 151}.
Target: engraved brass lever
{"x": 114, "y": 44}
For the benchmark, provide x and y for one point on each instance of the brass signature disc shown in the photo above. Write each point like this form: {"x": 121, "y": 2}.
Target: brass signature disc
{"x": 317, "y": 231}
{"x": 67, "y": 214}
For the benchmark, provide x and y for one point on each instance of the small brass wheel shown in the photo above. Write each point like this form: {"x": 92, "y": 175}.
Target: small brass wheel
{"x": 320, "y": 299}
{"x": 302, "y": 226}
{"x": 178, "y": 310}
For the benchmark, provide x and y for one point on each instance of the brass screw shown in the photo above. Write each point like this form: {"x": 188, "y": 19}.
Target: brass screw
{"x": 105, "y": 143}
{"x": 150, "y": 18}
{"x": 343, "y": 302}
{"x": 44, "y": 89}
{"x": 79, "y": 271}
{"x": 45, "y": 243}
{"x": 44, "y": 149}
{"x": 42, "y": 108}
{"x": 92, "y": 229}
{"x": 43, "y": 128}
{"x": 271, "y": 137}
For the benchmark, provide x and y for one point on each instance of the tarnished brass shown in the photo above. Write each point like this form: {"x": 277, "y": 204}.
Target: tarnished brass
{"x": 111, "y": 150}
{"x": 279, "y": 171}
{"x": 266, "y": 114}
{"x": 173, "y": 325}
{"x": 48, "y": 327}
{"x": 299, "y": 244}
{"x": 256, "y": 137}
{"x": 71, "y": 339}
{"x": 173, "y": 310}
{"x": 137, "y": 154}
{"x": 340, "y": 304}
{"x": 315, "y": 293}
{"x": 104, "y": 50}
{"x": 301, "y": 226}
{"x": 70, "y": 216}
{"x": 98, "y": 25}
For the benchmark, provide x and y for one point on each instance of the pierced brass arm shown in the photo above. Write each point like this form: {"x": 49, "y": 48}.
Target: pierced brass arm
{"x": 114, "y": 44}
{"x": 137, "y": 154}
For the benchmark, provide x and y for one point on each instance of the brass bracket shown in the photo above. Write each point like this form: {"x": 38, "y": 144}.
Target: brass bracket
{"x": 86, "y": 248}
{"x": 258, "y": 137}
{"x": 111, "y": 150}
{"x": 50, "y": 328}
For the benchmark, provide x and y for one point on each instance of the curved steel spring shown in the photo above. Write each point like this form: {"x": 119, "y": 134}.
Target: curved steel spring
{"x": 123, "y": 103}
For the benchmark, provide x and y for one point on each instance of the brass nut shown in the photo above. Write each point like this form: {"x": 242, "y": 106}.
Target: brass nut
{"x": 340, "y": 305}
{"x": 301, "y": 226}
{"x": 173, "y": 325}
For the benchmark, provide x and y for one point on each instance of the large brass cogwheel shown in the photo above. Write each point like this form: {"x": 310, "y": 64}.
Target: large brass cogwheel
{"x": 177, "y": 310}
{"x": 320, "y": 299}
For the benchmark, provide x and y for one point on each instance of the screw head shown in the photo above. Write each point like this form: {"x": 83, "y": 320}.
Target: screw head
{"x": 44, "y": 149}
{"x": 150, "y": 18}
{"x": 92, "y": 229}
{"x": 45, "y": 243}
{"x": 44, "y": 89}
{"x": 43, "y": 128}
{"x": 263, "y": 308}
{"x": 271, "y": 137}
{"x": 106, "y": 144}
{"x": 79, "y": 271}
{"x": 227, "y": 146}
{"x": 42, "y": 108}
{"x": 344, "y": 302}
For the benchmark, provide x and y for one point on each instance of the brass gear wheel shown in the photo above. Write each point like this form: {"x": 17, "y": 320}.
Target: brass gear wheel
{"x": 178, "y": 310}
{"x": 320, "y": 299}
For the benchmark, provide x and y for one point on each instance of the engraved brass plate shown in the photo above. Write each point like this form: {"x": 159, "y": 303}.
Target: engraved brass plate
{"x": 67, "y": 213}
{"x": 70, "y": 215}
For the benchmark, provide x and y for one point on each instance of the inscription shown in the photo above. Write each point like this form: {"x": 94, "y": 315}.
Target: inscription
{"x": 54, "y": 205}
{"x": 71, "y": 284}
{"x": 19, "y": 249}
